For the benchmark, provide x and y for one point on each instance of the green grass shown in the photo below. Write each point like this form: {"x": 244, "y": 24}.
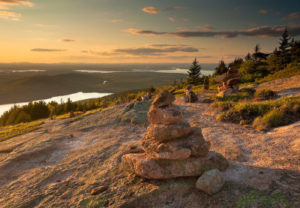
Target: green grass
{"x": 265, "y": 114}
{"x": 258, "y": 199}
{"x": 16, "y": 130}
{"x": 265, "y": 94}
{"x": 292, "y": 69}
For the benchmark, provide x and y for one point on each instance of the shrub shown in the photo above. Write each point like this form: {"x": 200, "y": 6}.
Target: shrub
{"x": 273, "y": 118}
{"x": 222, "y": 106}
{"x": 265, "y": 94}
{"x": 292, "y": 69}
{"x": 250, "y": 91}
{"x": 245, "y": 111}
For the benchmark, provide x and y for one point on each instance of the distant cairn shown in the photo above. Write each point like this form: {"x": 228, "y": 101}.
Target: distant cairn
{"x": 171, "y": 148}
{"x": 190, "y": 96}
{"x": 230, "y": 83}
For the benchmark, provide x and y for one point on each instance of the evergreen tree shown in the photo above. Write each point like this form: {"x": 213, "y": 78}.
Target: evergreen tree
{"x": 236, "y": 64}
{"x": 194, "y": 73}
{"x": 284, "y": 41}
{"x": 256, "y": 52}
{"x": 284, "y": 46}
{"x": 221, "y": 69}
{"x": 295, "y": 51}
{"x": 248, "y": 57}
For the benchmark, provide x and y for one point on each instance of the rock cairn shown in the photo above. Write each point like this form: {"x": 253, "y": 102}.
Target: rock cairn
{"x": 190, "y": 96}
{"x": 230, "y": 83}
{"x": 172, "y": 148}
{"x": 206, "y": 83}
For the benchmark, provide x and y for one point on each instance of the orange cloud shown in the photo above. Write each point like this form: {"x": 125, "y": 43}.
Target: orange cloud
{"x": 172, "y": 19}
{"x": 17, "y": 2}
{"x": 150, "y": 10}
{"x": 205, "y": 27}
{"x": 10, "y": 15}
{"x": 263, "y": 11}
{"x": 292, "y": 16}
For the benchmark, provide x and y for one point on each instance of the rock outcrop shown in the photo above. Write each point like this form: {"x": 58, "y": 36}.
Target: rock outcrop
{"x": 172, "y": 148}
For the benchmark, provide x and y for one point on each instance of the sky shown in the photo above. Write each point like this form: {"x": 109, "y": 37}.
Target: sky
{"x": 141, "y": 31}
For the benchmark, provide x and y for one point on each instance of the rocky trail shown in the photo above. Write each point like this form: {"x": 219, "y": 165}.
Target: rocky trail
{"x": 62, "y": 162}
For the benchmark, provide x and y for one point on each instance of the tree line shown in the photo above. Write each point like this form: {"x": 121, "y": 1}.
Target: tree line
{"x": 41, "y": 110}
{"x": 255, "y": 65}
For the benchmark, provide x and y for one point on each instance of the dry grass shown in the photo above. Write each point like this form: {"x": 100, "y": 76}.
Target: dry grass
{"x": 19, "y": 129}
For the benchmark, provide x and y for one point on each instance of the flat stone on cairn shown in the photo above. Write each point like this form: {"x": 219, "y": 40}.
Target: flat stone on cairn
{"x": 172, "y": 148}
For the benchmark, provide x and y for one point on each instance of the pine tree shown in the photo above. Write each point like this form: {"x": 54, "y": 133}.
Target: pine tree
{"x": 256, "y": 52}
{"x": 284, "y": 48}
{"x": 248, "y": 57}
{"x": 194, "y": 73}
{"x": 295, "y": 51}
{"x": 284, "y": 41}
{"x": 221, "y": 69}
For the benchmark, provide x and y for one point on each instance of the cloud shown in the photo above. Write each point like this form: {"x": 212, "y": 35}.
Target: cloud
{"x": 205, "y": 27}
{"x": 264, "y": 31}
{"x": 116, "y": 20}
{"x": 155, "y": 51}
{"x": 263, "y": 11}
{"x": 151, "y": 50}
{"x": 10, "y": 15}
{"x": 47, "y": 50}
{"x": 150, "y": 10}
{"x": 17, "y": 2}
{"x": 292, "y": 16}
{"x": 172, "y": 19}
{"x": 45, "y": 26}
{"x": 153, "y": 10}
{"x": 4, "y": 5}
{"x": 68, "y": 40}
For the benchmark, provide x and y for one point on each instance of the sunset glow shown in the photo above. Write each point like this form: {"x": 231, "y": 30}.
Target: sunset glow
{"x": 141, "y": 31}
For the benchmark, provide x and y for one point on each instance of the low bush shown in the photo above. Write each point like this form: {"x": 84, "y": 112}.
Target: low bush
{"x": 265, "y": 94}
{"x": 264, "y": 114}
{"x": 291, "y": 69}
{"x": 222, "y": 106}
{"x": 271, "y": 119}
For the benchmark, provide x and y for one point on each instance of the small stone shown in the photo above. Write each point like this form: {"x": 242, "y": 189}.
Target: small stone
{"x": 211, "y": 182}
{"x": 226, "y": 92}
{"x": 151, "y": 168}
{"x": 191, "y": 97}
{"x": 161, "y": 132}
{"x": 99, "y": 190}
{"x": 168, "y": 115}
{"x": 179, "y": 154}
{"x": 163, "y": 99}
{"x": 195, "y": 143}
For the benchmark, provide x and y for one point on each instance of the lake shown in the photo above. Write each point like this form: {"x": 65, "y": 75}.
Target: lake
{"x": 63, "y": 98}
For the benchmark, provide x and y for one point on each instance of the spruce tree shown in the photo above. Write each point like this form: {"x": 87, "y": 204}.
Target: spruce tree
{"x": 284, "y": 41}
{"x": 284, "y": 48}
{"x": 256, "y": 52}
{"x": 248, "y": 57}
{"x": 194, "y": 73}
{"x": 221, "y": 69}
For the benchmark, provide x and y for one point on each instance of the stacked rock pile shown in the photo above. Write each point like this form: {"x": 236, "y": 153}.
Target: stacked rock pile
{"x": 230, "y": 83}
{"x": 172, "y": 148}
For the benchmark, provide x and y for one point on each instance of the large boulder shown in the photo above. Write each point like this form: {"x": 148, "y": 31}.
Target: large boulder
{"x": 151, "y": 168}
{"x": 211, "y": 181}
